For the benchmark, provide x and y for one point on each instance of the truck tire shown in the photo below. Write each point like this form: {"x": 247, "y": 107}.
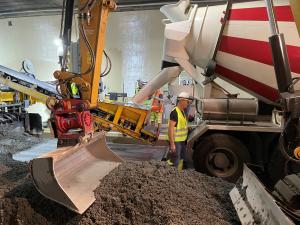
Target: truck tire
{"x": 221, "y": 155}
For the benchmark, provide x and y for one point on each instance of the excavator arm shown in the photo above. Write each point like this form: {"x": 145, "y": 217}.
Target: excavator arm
{"x": 92, "y": 19}
{"x": 70, "y": 174}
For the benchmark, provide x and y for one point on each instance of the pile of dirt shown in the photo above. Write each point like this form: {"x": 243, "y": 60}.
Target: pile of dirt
{"x": 21, "y": 203}
{"x": 13, "y": 139}
{"x": 154, "y": 193}
{"x": 134, "y": 193}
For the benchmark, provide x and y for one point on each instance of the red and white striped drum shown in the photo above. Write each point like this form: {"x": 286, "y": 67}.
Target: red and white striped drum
{"x": 244, "y": 57}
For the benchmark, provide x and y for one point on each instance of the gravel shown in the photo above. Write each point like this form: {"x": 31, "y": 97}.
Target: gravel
{"x": 134, "y": 193}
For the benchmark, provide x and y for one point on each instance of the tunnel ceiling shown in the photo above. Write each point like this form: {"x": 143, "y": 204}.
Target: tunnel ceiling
{"x": 19, "y": 8}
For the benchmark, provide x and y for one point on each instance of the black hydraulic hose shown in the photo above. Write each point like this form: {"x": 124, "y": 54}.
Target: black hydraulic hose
{"x": 92, "y": 54}
{"x": 282, "y": 144}
{"x": 108, "y": 66}
{"x": 85, "y": 5}
{"x": 197, "y": 106}
{"x": 91, "y": 4}
{"x": 89, "y": 47}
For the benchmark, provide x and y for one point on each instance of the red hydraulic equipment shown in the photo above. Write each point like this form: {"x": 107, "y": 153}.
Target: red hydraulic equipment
{"x": 72, "y": 119}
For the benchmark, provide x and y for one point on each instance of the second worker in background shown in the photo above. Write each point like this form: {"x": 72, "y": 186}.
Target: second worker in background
{"x": 178, "y": 131}
{"x": 157, "y": 109}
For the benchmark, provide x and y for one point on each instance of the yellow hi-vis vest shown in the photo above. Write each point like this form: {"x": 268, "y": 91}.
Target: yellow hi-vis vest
{"x": 181, "y": 130}
{"x": 74, "y": 89}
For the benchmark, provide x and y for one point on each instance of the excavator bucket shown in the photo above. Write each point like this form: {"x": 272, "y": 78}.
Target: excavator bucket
{"x": 69, "y": 175}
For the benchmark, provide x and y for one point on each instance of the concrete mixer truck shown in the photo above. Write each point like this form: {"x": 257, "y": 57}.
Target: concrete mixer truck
{"x": 254, "y": 46}
{"x": 232, "y": 42}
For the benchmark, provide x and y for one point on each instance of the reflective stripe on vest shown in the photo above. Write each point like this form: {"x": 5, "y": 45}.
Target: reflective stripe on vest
{"x": 181, "y": 130}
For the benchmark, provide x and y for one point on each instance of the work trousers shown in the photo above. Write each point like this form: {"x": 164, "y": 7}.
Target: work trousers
{"x": 179, "y": 154}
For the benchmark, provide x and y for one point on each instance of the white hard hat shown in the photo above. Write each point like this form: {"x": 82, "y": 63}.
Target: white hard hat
{"x": 184, "y": 94}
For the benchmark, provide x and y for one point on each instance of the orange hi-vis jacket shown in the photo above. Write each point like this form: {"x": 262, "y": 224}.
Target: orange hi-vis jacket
{"x": 157, "y": 106}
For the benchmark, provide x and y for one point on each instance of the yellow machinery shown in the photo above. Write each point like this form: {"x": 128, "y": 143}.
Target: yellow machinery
{"x": 9, "y": 96}
{"x": 33, "y": 94}
{"x": 6, "y": 96}
{"x": 125, "y": 119}
{"x": 69, "y": 174}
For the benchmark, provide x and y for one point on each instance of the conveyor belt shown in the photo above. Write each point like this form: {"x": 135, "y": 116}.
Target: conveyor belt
{"x": 27, "y": 84}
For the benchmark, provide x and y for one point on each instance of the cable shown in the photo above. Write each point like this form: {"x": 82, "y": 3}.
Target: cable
{"x": 282, "y": 145}
{"x": 108, "y": 65}
{"x": 85, "y": 5}
{"x": 88, "y": 45}
{"x": 92, "y": 54}
{"x": 91, "y": 5}
{"x": 58, "y": 90}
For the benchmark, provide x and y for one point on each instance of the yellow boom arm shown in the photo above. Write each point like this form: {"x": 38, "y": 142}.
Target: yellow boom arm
{"x": 123, "y": 118}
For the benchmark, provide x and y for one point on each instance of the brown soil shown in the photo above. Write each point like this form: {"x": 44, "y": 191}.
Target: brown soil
{"x": 154, "y": 193}
{"x": 13, "y": 139}
{"x": 134, "y": 193}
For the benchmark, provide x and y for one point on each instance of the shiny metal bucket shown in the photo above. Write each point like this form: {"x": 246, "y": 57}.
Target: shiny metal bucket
{"x": 69, "y": 175}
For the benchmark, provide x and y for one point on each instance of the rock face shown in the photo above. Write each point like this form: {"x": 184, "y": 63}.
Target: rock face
{"x": 134, "y": 193}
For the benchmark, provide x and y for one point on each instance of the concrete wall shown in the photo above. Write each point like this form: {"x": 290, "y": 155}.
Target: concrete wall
{"x": 33, "y": 39}
{"x": 134, "y": 42}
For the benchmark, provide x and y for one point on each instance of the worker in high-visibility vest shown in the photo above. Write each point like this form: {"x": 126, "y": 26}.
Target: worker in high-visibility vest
{"x": 157, "y": 108}
{"x": 178, "y": 131}
{"x": 74, "y": 90}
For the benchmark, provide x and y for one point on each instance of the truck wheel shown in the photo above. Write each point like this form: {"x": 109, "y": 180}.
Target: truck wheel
{"x": 221, "y": 155}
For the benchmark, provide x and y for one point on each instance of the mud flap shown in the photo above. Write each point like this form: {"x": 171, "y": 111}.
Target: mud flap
{"x": 69, "y": 175}
{"x": 254, "y": 205}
